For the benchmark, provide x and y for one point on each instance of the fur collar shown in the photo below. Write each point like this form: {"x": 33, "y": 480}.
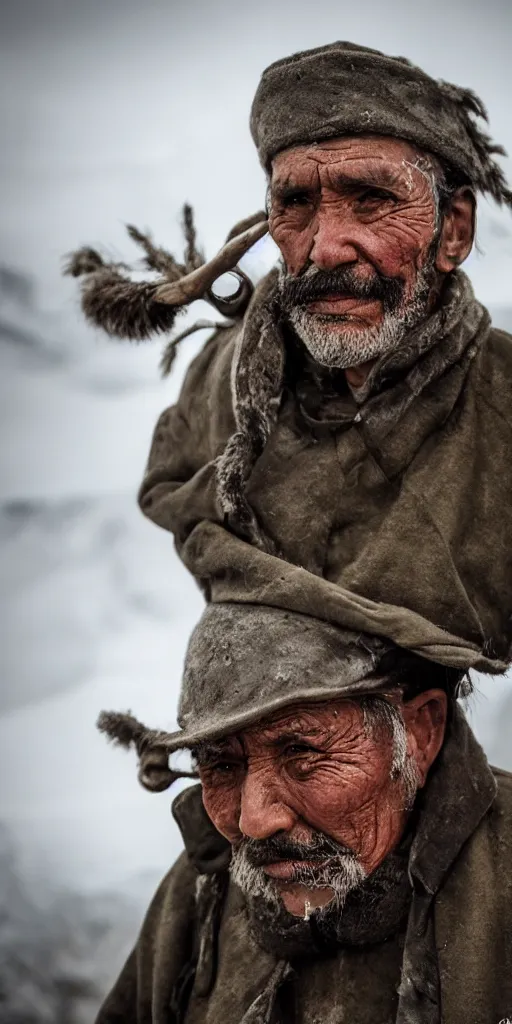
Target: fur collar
{"x": 268, "y": 359}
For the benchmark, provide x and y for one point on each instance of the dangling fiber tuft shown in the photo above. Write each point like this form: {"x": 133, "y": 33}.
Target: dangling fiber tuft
{"x": 137, "y": 310}
{"x": 156, "y": 258}
{"x": 124, "y": 308}
{"x": 170, "y": 350}
{"x": 486, "y": 175}
{"x": 84, "y": 261}
{"x": 194, "y": 258}
{"x": 121, "y": 727}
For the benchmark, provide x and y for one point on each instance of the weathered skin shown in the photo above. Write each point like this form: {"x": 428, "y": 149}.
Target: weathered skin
{"x": 363, "y": 202}
{"x": 316, "y": 768}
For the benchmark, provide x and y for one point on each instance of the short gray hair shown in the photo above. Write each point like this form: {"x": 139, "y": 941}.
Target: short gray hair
{"x": 381, "y": 713}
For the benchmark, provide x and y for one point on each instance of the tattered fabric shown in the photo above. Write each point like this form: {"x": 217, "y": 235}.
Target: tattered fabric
{"x": 391, "y": 517}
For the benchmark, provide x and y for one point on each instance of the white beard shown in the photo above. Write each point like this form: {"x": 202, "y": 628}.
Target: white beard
{"x": 339, "y": 345}
{"x": 346, "y": 875}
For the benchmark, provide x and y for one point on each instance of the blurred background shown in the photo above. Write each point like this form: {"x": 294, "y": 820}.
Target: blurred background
{"x": 114, "y": 111}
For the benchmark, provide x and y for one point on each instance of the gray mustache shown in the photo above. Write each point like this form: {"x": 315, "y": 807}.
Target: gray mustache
{"x": 299, "y": 291}
{"x": 266, "y": 851}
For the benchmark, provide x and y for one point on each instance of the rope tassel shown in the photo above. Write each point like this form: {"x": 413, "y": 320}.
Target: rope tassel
{"x": 126, "y": 731}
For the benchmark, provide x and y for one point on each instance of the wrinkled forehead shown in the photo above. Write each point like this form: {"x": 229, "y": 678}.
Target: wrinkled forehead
{"x": 311, "y": 721}
{"x": 380, "y": 155}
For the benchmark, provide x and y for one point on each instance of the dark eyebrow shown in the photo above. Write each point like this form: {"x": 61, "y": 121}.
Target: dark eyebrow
{"x": 287, "y": 189}
{"x": 379, "y": 177}
{"x": 206, "y": 752}
{"x": 297, "y": 736}
{"x": 376, "y": 177}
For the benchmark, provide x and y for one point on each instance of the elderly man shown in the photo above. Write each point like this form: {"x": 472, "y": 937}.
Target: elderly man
{"x": 347, "y": 854}
{"x": 358, "y": 423}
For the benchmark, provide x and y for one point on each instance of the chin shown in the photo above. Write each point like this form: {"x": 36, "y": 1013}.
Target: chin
{"x": 342, "y": 324}
{"x": 300, "y": 901}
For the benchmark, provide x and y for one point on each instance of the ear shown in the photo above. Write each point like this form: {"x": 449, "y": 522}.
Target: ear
{"x": 425, "y": 719}
{"x": 457, "y": 232}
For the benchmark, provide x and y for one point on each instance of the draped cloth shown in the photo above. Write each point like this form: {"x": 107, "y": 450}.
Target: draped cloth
{"x": 391, "y": 516}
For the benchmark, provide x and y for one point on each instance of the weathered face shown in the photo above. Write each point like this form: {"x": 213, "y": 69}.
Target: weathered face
{"x": 356, "y": 222}
{"x": 312, "y": 799}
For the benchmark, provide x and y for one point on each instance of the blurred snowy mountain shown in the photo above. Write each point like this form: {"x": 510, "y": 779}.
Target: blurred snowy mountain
{"x": 59, "y": 950}
{"x": 95, "y": 612}
{"x": 76, "y": 574}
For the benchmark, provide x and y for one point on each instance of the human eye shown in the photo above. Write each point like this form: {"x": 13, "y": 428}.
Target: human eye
{"x": 299, "y": 749}
{"x": 295, "y": 197}
{"x": 373, "y": 197}
{"x": 223, "y": 767}
{"x": 300, "y": 759}
{"x": 213, "y": 762}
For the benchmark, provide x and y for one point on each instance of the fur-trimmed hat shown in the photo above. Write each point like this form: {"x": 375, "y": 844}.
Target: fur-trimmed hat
{"x": 347, "y": 89}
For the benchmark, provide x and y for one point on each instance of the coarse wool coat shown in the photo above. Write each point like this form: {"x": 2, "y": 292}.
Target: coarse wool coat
{"x": 197, "y": 961}
{"x": 388, "y": 512}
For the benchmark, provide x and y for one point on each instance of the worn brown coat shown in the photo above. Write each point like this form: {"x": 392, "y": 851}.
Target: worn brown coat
{"x": 196, "y": 961}
{"x": 393, "y": 517}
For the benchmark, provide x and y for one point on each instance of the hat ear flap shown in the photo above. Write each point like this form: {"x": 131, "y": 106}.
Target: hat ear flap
{"x": 154, "y": 772}
{"x": 487, "y": 175}
{"x": 126, "y": 731}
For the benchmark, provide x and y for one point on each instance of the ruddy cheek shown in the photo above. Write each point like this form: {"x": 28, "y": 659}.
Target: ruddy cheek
{"x": 223, "y": 809}
{"x": 403, "y": 245}
{"x": 294, "y": 242}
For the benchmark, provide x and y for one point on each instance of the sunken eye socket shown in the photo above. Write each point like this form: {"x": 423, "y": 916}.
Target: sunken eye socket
{"x": 375, "y": 195}
{"x": 296, "y": 749}
{"x": 362, "y": 196}
{"x": 291, "y": 199}
{"x": 219, "y": 767}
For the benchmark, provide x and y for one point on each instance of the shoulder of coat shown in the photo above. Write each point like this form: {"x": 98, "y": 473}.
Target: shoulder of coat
{"x": 482, "y": 865}
{"x": 179, "y": 884}
{"x": 500, "y": 813}
{"x": 500, "y": 343}
{"x": 217, "y": 351}
{"x": 208, "y": 373}
{"x": 504, "y": 781}
{"x": 498, "y": 349}
{"x": 494, "y": 372}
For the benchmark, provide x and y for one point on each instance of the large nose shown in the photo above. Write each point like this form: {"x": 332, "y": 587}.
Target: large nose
{"x": 263, "y": 807}
{"x": 334, "y": 242}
